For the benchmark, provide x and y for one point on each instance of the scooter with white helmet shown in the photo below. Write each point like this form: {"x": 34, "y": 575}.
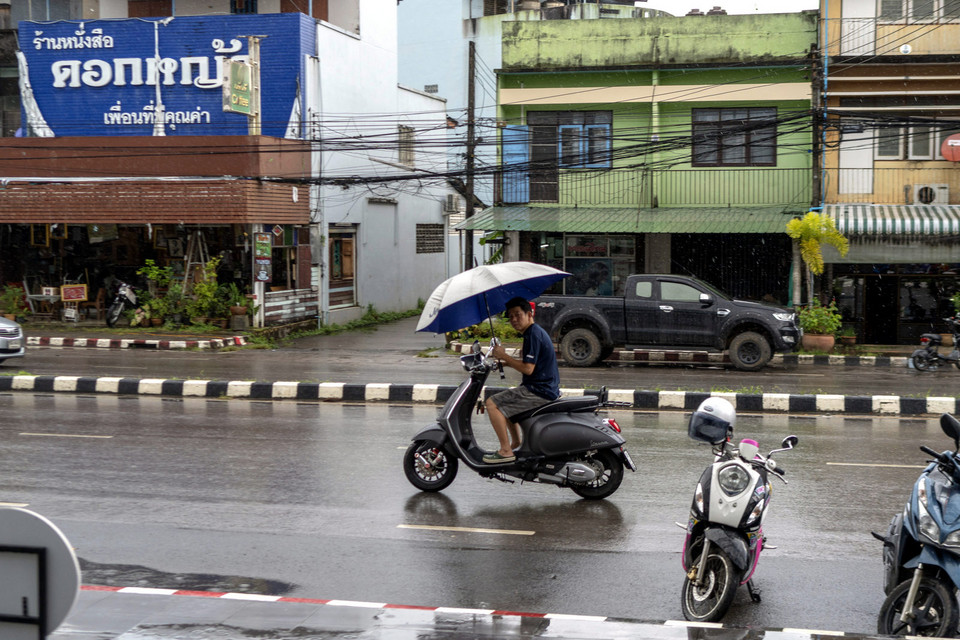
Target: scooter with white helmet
{"x": 725, "y": 530}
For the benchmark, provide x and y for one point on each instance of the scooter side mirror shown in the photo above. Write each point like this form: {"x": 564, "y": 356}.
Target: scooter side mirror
{"x": 790, "y": 442}
{"x": 475, "y": 349}
{"x": 951, "y": 427}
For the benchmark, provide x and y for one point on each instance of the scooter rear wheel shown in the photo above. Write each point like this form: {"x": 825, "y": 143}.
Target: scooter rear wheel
{"x": 429, "y": 467}
{"x": 709, "y": 602}
{"x": 609, "y": 470}
{"x": 934, "y": 611}
{"x": 113, "y": 314}
{"x": 923, "y": 362}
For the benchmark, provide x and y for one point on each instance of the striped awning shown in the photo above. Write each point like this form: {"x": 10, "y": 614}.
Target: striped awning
{"x": 895, "y": 220}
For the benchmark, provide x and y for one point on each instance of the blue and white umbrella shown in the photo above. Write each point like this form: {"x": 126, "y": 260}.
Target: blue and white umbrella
{"x": 474, "y": 295}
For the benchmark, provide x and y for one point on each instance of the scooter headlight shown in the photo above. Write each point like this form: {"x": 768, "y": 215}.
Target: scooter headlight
{"x": 698, "y": 499}
{"x": 733, "y": 479}
{"x": 928, "y": 528}
{"x": 952, "y": 540}
{"x": 762, "y": 492}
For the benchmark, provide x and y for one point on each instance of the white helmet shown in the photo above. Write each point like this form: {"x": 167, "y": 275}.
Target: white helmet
{"x": 713, "y": 421}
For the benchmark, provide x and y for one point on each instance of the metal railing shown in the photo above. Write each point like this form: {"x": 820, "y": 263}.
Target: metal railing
{"x": 674, "y": 187}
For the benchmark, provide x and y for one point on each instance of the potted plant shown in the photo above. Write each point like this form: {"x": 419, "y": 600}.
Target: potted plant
{"x": 12, "y": 301}
{"x": 820, "y": 324}
{"x": 848, "y": 336}
{"x": 234, "y": 298}
{"x": 158, "y": 308}
{"x": 175, "y": 302}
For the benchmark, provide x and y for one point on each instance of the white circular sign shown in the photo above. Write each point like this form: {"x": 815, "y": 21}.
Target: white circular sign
{"x": 905, "y": 49}
{"x": 23, "y": 532}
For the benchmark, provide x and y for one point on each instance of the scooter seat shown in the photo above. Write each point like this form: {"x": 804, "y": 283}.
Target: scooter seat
{"x": 571, "y": 404}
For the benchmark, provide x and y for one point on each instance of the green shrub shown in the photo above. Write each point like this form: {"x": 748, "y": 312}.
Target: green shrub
{"x": 819, "y": 319}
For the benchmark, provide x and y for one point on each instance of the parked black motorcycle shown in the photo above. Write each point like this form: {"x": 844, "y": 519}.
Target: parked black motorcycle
{"x": 565, "y": 442}
{"x": 929, "y": 358}
{"x": 125, "y": 299}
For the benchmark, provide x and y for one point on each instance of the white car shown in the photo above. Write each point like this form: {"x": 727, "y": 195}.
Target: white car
{"x": 12, "y": 341}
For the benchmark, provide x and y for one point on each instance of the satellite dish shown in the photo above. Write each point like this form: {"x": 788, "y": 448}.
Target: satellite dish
{"x": 41, "y": 576}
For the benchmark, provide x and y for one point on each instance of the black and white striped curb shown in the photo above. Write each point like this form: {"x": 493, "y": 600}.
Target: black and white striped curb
{"x": 437, "y": 394}
{"x": 123, "y": 343}
{"x": 713, "y": 358}
{"x": 370, "y": 619}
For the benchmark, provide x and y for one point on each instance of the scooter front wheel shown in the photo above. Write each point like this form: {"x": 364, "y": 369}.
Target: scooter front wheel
{"x": 429, "y": 467}
{"x": 934, "y": 611}
{"x": 609, "y": 470}
{"x": 113, "y": 313}
{"x": 923, "y": 362}
{"x": 709, "y": 601}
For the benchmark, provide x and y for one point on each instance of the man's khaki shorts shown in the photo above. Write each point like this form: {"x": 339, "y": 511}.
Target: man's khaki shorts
{"x": 516, "y": 400}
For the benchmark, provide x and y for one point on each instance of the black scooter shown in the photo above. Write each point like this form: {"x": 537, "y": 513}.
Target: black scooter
{"x": 125, "y": 299}
{"x": 565, "y": 442}
{"x": 929, "y": 358}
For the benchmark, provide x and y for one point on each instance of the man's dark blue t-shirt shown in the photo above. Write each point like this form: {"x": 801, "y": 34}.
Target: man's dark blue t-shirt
{"x": 538, "y": 349}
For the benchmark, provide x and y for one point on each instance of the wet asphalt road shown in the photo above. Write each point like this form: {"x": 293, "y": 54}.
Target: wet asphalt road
{"x": 308, "y": 500}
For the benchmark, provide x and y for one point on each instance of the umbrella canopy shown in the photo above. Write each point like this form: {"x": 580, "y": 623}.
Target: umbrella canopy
{"x": 472, "y": 296}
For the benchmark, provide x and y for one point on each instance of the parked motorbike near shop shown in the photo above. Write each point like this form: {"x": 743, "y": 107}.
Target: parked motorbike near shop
{"x": 921, "y": 550}
{"x": 725, "y": 530}
{"x": 565, "y": 442}
{"x": 929, "y": 358}
{"x": 125, "y": 299}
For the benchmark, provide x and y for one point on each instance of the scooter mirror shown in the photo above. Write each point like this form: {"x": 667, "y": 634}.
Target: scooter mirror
{"x": 476, "y": 347}
{"x": 790, "y": 442}
{"x": 951, "y": 427}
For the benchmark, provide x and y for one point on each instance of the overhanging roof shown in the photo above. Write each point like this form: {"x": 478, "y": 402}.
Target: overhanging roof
{"x": 628, "y": 220}
{"x": 900, "y": 220}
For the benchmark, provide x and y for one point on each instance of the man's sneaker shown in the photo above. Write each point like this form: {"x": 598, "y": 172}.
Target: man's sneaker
{"x": 496, "y": 458}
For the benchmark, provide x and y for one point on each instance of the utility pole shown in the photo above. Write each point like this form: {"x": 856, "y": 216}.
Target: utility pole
{"x": 471, "y": 143}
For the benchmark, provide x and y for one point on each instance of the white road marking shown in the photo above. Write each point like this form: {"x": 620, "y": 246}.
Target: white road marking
{"x": 64, "y": 435}
{"x": 814, "y": 632}
{"x": 14, "y": 504}
{"x": 882, "y": 466}
{"x": 427, "y": 527}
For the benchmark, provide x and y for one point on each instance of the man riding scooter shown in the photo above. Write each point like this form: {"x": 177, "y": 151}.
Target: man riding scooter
{"x": 540, "y": 383}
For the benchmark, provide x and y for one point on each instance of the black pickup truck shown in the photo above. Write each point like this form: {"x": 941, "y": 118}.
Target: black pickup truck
{"x": 667, "y": 312}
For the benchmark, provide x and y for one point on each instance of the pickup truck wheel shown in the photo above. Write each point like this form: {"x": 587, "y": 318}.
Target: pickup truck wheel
{"x": 750, "y": 351}
{"x": 580, "y": 348}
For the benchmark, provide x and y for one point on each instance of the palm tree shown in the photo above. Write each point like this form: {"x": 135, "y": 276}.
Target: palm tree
{"x": 809, "y": 234}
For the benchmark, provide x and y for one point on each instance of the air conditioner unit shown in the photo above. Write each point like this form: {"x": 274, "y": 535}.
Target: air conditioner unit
{"x": 452, "y": 203}
{"x": 931, "y": 194}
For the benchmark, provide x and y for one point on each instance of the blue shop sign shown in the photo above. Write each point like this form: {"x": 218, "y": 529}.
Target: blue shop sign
{"x": 100, "y": 77}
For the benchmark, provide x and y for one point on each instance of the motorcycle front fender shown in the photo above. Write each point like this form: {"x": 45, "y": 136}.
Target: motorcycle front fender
{"x": 733, "y": 544}
{"x": 433, "y": 433}
{"x": 947, "y": 561}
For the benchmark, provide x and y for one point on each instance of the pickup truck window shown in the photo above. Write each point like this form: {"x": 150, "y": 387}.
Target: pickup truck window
{"x": 645, "y": 289}
{"x": 678, "y": 292}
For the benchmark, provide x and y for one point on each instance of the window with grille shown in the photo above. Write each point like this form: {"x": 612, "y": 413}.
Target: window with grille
{"x": 740, "y": 137}
{"x": 919, "y": 10}
{"x": 495, "y": 7}
{"x": 429, "y": 238}
{"x": 243, "y": 6}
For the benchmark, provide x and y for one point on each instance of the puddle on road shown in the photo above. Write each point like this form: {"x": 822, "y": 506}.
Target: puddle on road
{"x": 210, "y": 632}
{"x": 131, "y": 575}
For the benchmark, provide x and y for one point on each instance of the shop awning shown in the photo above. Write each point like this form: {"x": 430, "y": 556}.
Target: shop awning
{"x": 628, "y": 220}
{"x": 895, "y": 220}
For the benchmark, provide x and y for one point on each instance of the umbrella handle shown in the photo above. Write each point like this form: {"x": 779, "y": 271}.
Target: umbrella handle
{"x": 494, "y": 341}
